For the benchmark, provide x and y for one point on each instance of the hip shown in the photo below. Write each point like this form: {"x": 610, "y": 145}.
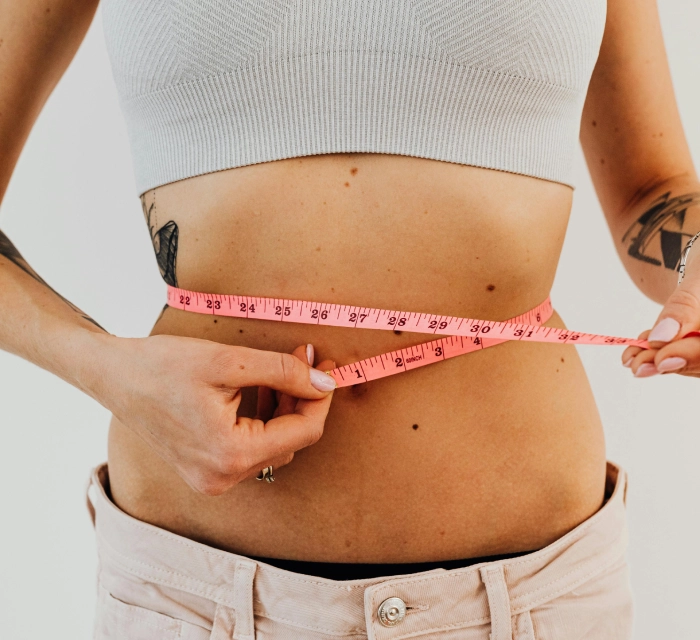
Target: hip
{"x": 157, "y": 585}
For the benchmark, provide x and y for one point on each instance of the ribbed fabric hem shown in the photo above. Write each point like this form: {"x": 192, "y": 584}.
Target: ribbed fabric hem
{"x": 354, "y": 101}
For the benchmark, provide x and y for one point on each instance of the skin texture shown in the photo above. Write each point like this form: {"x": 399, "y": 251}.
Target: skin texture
{"x": 495, "y": 452}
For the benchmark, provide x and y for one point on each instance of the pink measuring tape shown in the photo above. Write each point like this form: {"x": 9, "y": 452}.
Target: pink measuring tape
{"x": 463, "y": 335}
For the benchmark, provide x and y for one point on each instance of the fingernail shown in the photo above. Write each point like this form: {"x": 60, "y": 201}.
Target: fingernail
{"x": 665, "y": 331}
{"x": 321, "y": 381}
{"x": 310, "y": 354}
{"x": 646, "y": 370}
{"x": 628, "y": 363}
{"x": 671, "y": 364}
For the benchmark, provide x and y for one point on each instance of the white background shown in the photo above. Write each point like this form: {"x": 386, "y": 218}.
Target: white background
{"x": 72, "y": 211}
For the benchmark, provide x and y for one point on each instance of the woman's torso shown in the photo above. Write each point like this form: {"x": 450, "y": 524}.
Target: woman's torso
{"x": 497, "y": 451}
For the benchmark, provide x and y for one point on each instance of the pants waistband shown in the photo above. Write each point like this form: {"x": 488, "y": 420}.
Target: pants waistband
{"x": 361, "y": 571}
{"x": 220, "y": 583}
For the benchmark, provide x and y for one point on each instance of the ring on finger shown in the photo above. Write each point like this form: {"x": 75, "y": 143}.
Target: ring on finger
{"x": 266, "y": 474}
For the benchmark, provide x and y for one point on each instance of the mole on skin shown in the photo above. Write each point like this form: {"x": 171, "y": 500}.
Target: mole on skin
{"x": 358, "y": 390}
{"x": 353, "y": 171}
{"x": 491, "y": 287}
{"x": 415, "y": 427}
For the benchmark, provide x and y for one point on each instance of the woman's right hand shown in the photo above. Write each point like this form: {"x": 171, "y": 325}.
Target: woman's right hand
{"x": 181, "y": 395}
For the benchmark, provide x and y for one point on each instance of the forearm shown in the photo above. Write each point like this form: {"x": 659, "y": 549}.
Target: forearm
{"x": 652, "y": 231}
{"x": 38, "y": 39}
{"x": 39, "y": 325}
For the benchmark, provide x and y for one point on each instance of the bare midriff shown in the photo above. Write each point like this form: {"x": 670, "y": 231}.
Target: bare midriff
{"x": 493, "y": 452}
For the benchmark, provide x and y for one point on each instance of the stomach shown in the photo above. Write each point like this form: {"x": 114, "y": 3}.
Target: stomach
{"x": 493, "y": 452}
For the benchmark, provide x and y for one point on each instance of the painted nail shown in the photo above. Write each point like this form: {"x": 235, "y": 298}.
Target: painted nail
{"x": 321, "y": 381}
{"x": 671, "y": 364}
{"x": 310, "y": 354}
{"x": 628, "y": 363}
{"x": 646, "y": 370}
{"x": 665, "y": 331}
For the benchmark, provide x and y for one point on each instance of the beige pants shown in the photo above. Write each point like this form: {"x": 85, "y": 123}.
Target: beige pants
{"x": 155, "y": 585}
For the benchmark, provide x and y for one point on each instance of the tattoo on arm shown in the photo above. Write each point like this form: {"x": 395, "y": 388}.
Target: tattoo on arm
{"x": 657, "y": 236}
{"x": 164, "y": 239}
{"x": 9, "y": 250}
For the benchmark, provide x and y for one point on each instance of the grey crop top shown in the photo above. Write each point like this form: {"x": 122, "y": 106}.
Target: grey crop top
{"x": 207, "y": 85}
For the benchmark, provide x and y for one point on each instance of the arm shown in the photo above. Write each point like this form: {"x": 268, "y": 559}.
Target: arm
{"x": 643, "y": 173}
{"x": 37, "y": 42}
{"x": 636, "y": 150}
{"x": 180, "y": 395}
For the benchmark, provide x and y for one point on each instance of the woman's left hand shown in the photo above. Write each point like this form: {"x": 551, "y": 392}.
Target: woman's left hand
{"x": 675, "y": 339}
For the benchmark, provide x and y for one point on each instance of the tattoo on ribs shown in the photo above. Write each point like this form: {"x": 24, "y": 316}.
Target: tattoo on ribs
{"x": 164, "y": 239}
{"x": 9, "y": 250}
{"x": 657, "y": 236}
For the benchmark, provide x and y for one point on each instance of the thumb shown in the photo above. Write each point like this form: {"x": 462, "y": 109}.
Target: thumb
{"x": 281, "y": 371}
{"x": 681, "y": 313}
{"x": 286, "y": 403}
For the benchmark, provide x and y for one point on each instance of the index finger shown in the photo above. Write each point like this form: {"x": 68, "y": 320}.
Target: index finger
{"x": 630, "y": 353}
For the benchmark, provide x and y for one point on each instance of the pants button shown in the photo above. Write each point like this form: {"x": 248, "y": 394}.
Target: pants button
{"x": 391, "y": 612}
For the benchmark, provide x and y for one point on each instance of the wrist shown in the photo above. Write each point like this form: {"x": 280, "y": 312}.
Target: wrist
{"x": 95, "y": 355}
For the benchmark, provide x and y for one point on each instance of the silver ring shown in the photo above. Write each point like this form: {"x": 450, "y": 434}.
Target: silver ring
{"x": 266, "y": 474}
{"x": 684, "y": 257}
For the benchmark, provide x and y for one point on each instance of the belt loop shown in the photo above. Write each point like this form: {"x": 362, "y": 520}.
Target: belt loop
{"x": 88, "y": 497}
{"x": 626, "y": 481}
{"x": 224, "y": 623}
{"x": 499, "y": 602}
{"x": 244, "y": 628}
